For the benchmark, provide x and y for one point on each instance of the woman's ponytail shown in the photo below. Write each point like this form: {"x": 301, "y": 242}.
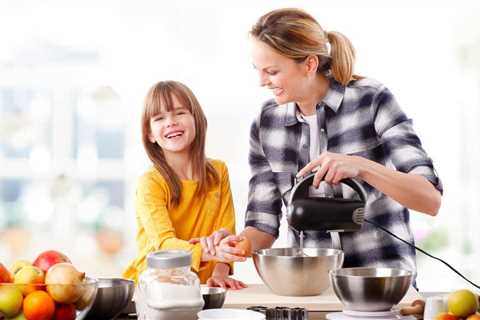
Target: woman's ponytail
{"x": 342, "y": 54}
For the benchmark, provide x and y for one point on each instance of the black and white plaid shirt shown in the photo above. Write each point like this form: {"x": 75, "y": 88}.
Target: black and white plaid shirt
{"x": 361, "y": 119}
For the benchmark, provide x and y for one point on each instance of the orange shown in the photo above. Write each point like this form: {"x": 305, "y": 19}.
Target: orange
{"x": 38, "y": 305}
{"x": 246, "y": 246}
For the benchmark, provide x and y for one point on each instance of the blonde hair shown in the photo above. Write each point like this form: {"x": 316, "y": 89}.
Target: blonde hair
{"x": 296, "y": 35}
{"x": 159, "y": 99}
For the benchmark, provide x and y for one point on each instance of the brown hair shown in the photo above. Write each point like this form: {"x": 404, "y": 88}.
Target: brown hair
{"x": 295, "y": 34}
{"x": 158, "y": 99}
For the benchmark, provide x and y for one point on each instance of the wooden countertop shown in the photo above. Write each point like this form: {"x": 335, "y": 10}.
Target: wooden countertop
{"x": 260, "y": 295}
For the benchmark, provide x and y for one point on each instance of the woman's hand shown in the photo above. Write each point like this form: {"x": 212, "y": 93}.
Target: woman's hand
{"x": 209, "y": 243}
{"x": 225, "y": 282}
{"x": 332, "y": 167}
{"x": 226, "y": 251}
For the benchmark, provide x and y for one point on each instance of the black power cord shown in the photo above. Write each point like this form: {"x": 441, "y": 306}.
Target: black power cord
{"x": 422, "y": 251}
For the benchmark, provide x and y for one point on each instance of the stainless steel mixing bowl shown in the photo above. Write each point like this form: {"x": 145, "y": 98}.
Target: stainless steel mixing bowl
{"x": 289, "y": 273}
{"x": 213, "y": 297}
{"x": 370, "y": 289}
{"x": 113, "y": 295}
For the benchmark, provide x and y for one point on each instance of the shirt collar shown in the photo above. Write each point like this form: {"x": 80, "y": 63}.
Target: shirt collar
{"x": 333, "y": 99}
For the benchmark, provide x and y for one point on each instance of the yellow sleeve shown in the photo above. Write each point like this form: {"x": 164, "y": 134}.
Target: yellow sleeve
{"x": 227, "y": 210}
{"x": 151, "y": 208}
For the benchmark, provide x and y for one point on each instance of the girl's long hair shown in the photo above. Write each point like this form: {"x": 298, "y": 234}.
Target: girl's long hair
{"x": 296, "y": 35}
{"x": 159, "y": 99}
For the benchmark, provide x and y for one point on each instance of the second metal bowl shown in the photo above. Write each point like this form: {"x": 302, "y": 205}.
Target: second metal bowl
{"x": 213, "y": 297}
{"x": 370, "y": 289}
{"x": 288, "y": 272}
{"x": 113, "y": 295}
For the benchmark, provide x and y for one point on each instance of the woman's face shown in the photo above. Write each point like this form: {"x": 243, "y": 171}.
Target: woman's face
{"x": 284, "y": 76}
{"x": 174, "y": 130}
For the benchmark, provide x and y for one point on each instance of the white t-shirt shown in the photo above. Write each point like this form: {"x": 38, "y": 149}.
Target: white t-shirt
{"x": 324, "y": 189}
{"x": 314, "y": 135}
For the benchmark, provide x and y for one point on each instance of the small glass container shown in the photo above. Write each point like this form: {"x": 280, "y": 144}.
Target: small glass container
{"x": 168, "y": 289}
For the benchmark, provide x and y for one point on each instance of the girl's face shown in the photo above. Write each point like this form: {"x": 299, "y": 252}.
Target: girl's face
{"x": 174, "y": 130}
{"x": 284, "y": 76}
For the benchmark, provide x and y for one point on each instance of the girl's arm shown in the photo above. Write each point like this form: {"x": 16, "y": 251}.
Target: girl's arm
{"x": 220, "y": 278}
{"x": 152, "y": 212}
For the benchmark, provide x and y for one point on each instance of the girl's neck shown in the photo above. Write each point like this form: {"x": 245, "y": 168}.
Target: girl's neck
{"x": 181, "y": 164}
{"x": 315, "y": 93}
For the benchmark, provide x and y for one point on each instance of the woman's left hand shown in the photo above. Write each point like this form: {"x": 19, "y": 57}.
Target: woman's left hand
{"x": 225, "y": 282}
{"x": 209, "y": 243}
{"x": 332, "y": 167}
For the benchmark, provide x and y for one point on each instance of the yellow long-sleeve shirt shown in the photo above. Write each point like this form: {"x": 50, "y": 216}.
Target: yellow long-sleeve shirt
{"x": 162, "y": 226}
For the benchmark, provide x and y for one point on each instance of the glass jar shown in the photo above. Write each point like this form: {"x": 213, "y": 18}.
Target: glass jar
{"x": 168, "y": 289}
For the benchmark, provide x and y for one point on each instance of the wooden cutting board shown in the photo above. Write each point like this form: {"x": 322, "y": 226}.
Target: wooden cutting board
{"x": 260, "y": 295}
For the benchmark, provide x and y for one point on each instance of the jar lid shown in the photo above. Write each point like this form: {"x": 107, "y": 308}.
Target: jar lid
{"x": 167, "y": 259}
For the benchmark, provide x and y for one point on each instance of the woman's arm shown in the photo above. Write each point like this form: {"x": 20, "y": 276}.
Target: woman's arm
{"x": 414, "y": 183}
{"x": 411, "y": 190}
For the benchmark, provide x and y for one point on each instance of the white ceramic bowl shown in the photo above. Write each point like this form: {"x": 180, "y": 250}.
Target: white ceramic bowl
{"x": 229, "y": 314}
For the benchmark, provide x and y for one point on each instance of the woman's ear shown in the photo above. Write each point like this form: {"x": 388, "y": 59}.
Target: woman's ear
{"x": 311, "y": 64}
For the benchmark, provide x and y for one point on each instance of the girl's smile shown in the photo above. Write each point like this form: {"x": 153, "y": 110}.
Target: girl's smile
{"x": 174, "y": 130}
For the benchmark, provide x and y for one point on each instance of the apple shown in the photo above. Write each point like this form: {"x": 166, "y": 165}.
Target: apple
{"x": 10, "y": 301}
{"x": 462, "y": 303}
{"x": 20, "y": 316}
{"x": 5, "y": 275}
{"x": 64, "y": 312}
{"x": 49, "y": 258}
{"x": 475, "y": 316}
{"x": 19, "y": 264}
{"x": 446, "y": 316}
{"x": 29, "y": 276}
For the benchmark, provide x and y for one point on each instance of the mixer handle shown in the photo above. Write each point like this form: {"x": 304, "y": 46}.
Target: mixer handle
{"x": 300, "y": 189}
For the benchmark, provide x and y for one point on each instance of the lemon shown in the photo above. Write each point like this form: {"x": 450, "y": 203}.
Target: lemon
{"x": 462, "y": 303}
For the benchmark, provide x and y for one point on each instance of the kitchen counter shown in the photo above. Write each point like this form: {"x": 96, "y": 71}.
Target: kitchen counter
{"x": 259, "y": 294}
{"x": 317, "y": 306}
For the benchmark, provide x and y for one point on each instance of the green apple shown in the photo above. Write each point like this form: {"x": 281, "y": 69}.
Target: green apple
{"x": 19, "y": 264}
{"x": 20, "y": 316}
{"x": 29, "y": 276}
{"x": 11, "y": 299}
{"x": 462, "y": 303}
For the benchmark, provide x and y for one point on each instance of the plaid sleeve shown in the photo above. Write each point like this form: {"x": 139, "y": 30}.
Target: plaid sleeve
{"x": 400, "y": 140}
{"x": 264, "y": 199}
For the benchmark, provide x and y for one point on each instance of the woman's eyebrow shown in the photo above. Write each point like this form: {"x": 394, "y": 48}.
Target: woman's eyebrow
{"x": 267, "y": 67}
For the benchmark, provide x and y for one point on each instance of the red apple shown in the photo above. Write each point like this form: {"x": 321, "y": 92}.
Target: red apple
{"x": 49, "y": 258}
{"x": 5, "y": 275}
{"x": 64, "y": 312}
{"x": 446, "y": 316}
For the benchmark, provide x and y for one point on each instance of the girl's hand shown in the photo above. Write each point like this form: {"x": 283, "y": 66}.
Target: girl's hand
{"x": 225, "y": 282}
{"x": 209, "y": 243}
{"x": 332, "y": 167}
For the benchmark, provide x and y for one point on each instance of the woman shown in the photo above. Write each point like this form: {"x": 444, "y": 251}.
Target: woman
{"x": 324, "y": 118}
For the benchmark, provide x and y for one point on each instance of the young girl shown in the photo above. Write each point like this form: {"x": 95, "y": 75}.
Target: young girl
{"x": 184, "y": 197}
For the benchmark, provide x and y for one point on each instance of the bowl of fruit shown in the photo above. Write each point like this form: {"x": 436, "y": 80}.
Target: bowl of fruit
{"x": 49, "y": 288}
